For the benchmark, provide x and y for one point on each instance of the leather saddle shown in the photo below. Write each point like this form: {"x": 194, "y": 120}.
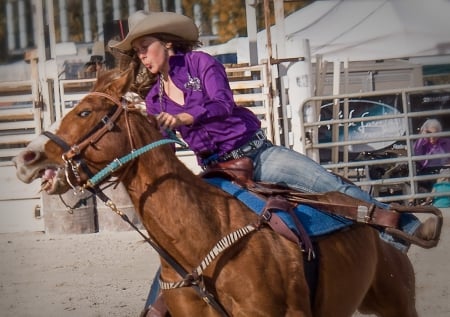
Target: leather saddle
{"x": 240, "y": 171}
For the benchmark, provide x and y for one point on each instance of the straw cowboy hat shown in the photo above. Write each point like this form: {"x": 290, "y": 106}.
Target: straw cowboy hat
{"x": 143, "y": 23}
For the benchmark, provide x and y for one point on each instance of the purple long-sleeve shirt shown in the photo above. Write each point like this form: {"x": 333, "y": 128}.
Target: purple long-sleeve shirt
{"x": 219, "y": 124}
{"x": 424, "y": 147}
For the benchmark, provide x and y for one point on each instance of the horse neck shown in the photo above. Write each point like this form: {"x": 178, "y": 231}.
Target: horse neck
{"x": 170, "y": 201}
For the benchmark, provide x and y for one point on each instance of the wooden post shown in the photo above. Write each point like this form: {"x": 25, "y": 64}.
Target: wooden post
{"x": 250, "y": 13}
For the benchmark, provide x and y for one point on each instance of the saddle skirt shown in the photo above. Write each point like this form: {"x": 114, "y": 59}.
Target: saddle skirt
{"x": 315, "y": 222}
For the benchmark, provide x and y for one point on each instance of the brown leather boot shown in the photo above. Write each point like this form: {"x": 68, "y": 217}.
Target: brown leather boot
{"x": 427, "y": 230}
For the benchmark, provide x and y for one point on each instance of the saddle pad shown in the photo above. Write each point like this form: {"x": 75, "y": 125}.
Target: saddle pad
{"x": 315, "y": 222}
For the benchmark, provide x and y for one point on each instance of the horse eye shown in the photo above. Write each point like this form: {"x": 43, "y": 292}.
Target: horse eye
{"x": 84, "y": 113}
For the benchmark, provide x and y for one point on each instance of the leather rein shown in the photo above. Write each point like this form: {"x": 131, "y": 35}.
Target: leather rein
{"x": 73, "y": 161}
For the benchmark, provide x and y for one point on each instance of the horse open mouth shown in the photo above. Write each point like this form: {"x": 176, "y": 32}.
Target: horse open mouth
{"x": 53, "y": 180}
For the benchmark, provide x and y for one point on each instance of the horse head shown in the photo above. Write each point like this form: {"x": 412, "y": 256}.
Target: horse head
{"x": 94, "y": 133}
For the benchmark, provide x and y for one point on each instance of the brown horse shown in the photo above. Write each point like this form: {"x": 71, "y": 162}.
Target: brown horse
{"x": 262, "y": 273}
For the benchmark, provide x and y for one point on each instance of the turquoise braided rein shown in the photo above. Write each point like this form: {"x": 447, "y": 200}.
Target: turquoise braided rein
{"x": 117, "y": 163}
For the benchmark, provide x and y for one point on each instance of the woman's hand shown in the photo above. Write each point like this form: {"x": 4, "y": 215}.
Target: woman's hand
{"x": 169, "y": 121}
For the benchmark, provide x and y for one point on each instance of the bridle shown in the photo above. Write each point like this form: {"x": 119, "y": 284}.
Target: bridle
{"x": 72, "y": 155}
{"x": 73, "y": 162}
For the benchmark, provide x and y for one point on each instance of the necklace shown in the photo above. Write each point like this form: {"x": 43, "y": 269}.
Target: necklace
{"x": 161, "y": 93}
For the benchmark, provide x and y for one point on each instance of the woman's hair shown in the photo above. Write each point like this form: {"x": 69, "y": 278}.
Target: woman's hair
{"x": 179, "y": 44}
{"x": 431, "y": 124}
{"x": 144, "y": 79}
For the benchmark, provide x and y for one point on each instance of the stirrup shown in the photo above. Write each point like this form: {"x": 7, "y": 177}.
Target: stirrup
{"x": 427, "y": 244}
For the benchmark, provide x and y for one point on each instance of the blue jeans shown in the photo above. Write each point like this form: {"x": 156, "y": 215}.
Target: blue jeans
{"x": 278, "y": 164}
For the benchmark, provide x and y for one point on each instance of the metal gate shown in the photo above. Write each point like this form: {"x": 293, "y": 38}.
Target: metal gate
{"x": 368, "y": 138}
{"x": 20, "y": 122}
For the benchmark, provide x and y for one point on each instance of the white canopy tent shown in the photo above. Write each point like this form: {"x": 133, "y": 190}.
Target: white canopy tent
{"x": 357, "y": 30}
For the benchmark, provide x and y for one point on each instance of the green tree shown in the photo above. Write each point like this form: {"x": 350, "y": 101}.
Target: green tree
{"x": 206, "y": 14}
{"x": 229, "y": 16}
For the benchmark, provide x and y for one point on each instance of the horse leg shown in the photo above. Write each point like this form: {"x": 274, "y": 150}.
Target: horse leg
{"x": 157, "y": 309}
{"x": 392, "y": 293}
{"x": 347, "y": 266}
{"x": 262, "y": 278}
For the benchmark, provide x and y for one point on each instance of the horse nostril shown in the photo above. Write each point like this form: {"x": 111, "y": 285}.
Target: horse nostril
{"x": 29, "y": 156}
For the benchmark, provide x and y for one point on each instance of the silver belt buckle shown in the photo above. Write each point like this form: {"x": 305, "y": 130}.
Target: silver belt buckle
{"x": 260, "y": 135}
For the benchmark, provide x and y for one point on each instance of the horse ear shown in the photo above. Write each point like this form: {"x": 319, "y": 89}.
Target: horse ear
{"x": 121, "y": 85}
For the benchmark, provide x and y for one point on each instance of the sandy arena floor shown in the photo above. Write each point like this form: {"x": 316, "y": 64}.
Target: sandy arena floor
{"x": 108, "y": 274}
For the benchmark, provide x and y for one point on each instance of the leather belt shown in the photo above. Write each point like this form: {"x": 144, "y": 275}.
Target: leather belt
{"x": 256, "y": 142}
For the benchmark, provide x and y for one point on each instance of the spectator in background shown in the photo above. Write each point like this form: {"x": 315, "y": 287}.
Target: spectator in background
{"x": 95, "y": 64}
{"x": 431, "y": 145}
{"x": 91, "y": 68}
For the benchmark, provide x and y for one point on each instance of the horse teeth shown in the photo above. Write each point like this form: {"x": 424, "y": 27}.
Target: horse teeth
{"x": 46, "y": 184}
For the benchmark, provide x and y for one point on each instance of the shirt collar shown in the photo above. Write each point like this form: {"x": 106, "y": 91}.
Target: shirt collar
{"x": 178, "y": 72}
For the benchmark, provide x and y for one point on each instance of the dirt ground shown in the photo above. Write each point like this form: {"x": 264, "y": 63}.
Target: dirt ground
{"x": 108, "y": 274}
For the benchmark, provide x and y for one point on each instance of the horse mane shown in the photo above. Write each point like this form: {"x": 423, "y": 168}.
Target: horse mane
{"x": 106, "y": 77}
{"x": 141, "y": 79}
